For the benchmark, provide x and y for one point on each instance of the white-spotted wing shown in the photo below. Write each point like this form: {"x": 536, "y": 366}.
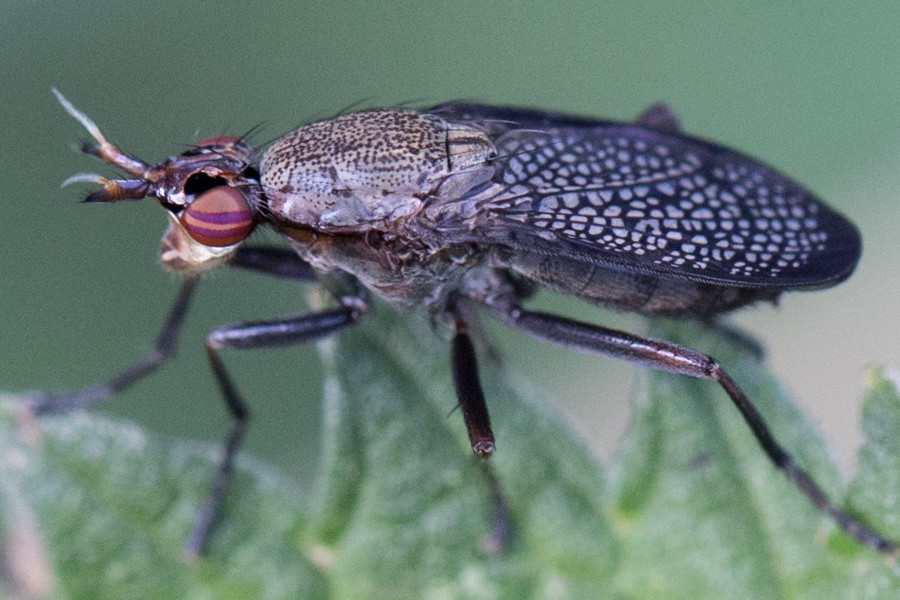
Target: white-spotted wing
{"x": 654, "y": 200}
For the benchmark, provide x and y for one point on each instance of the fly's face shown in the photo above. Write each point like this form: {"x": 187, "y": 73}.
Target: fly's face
{"x": 212, "y": 201}
{"x": 370, "y": 168}
{"x": 210, "y": 194}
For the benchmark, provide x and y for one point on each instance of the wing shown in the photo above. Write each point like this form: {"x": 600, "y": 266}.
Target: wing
{"x": 647, "y": 198}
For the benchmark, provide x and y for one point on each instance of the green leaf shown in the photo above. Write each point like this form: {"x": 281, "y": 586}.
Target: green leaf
{"x": 405, "y": 509}
{"x": 691, "y": 508}
{"x": 97, "y": 508}
{"x": 874, "y": 494}
{"x": 703, "y": 512}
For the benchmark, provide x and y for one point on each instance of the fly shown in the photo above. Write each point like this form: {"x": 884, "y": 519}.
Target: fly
{"x": 466, "y": 205}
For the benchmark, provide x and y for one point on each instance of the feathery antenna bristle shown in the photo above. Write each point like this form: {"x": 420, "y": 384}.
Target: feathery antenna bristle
{"x": 79, "y": 116}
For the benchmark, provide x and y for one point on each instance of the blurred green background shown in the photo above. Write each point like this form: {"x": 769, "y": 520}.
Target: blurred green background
{"x": 811, "y": 87}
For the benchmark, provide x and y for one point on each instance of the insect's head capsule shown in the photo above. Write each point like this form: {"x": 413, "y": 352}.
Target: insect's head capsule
{"x": 211, "y": 197}
{"x": 210, "y": 193}
{"x": 358, "y": 170}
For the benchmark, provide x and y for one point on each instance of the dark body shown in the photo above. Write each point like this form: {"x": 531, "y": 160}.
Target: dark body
{"x": 466, "y": 206}
{"x": 636, "y": 216}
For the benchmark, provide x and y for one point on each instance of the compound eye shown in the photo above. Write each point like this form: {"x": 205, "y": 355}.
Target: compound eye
{"x": 218, "y": 217}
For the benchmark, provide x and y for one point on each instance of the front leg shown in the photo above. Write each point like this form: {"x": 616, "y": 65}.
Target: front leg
{"x": 275, "y": 262}
{"x": 46, "y": 402}
{"x": 259, "y": 334}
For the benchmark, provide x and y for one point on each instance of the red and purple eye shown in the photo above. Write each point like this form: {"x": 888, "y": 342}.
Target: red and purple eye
{"x": 218, "y": 217}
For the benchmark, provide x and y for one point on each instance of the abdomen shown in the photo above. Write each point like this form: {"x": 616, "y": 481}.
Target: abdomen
{"x": 629, "y": 290}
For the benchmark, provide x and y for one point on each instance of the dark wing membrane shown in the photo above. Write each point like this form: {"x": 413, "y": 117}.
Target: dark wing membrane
{"x": 656, "y": 201}
{"x": 498, "y": 119}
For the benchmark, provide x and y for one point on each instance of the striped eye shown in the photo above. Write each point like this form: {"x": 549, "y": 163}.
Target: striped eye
{"x": 218, "y": 217}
